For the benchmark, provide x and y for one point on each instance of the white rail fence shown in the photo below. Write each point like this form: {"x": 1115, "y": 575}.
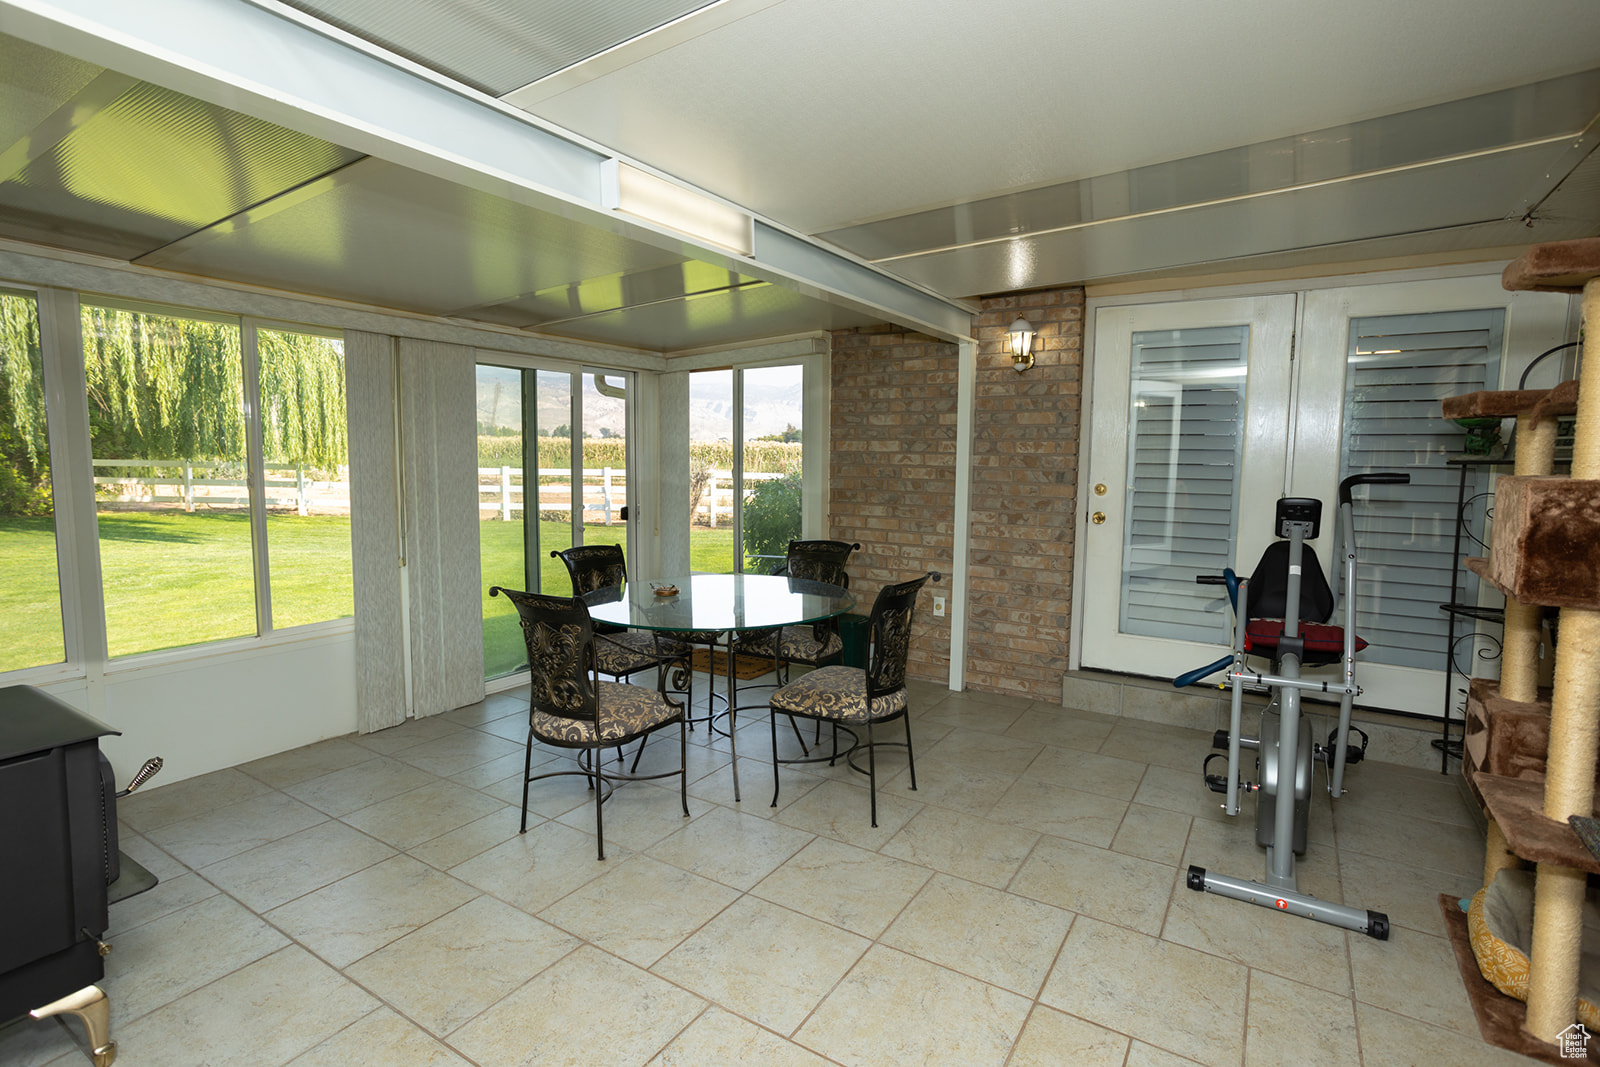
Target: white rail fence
{"x": 500, "y": 492}
{"x": 190, "y": 486}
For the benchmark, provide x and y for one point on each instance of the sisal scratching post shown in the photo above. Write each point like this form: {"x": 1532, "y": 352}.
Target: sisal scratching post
{"x": 1575, "y": 707}
{"x": 1519, "y": 661}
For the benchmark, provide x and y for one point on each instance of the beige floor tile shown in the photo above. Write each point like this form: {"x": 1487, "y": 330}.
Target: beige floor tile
{"x": 448, "y": 971}
{"x": 382, "y": 1037}
{"x": 1412, "y": 974}
{"x": 475, "y": 838}
{"x": 969, "y": 714}
{"x": 310, "y": 761}
{"x": 847, "y": 886}
{"x": 1143, "y": 1055}
{"x": 1062, "y": 729}
{"x": 842, "y": 811}
{"x": 994, "y": 753}
{"x": 228, "y": 831}
{"x": 1231, "y": 849}
{"x": 169, "y": 895}
{"x": 731, "y": 847}
{"x": 995, "y": 937}
{"x": 168, "y": 957}
{"x": 1384, "y": 790}
{"x": 461, "y": 750}
{"x": 718, "y": 1037}
{"x": 590, "y": 1008}
{"x": 1047, "y": 808}
{"x": 637, "y": 815}
{"x": 979, "y": 850}
{"x": 1408, "y": 895}
{"x": 29, "y": 1042}
{"x": 1093, "y": 881}
{"x": 1088, "y": 771}
{"x": 547, "y": 797}
{"x": 1390, "y": 1040}
{"x": 1152, "y": 834}
{"x": 533, "y": 870}
{"x": 1290, "y": 1023}
{"x": 1268, "y": 941}
{"x": 422, "y": 814}
{"x": 359, "y": 914}
{"x": 409, "y": 734}
{"x": 764, "y": 962}
{"x": 1052, "y": 1038}
{"x": 489, "y": 709}
{"x": 508, "y": 728}
{"x": 952, "y": 785}
{"x": 278, "y": 872}
{"x": 1439, "y": 846}
{"x": 894, "y": 1008}
{"x": 487, "y": 774}
{"x": 157, "y": 805}
{"x": 640, "y": 909}
{"x": 240, "y": 1018}
{"x": 1187, "y": 794}
{"x": 1156, "y": 991}
{"x": 364, "y": 784}
{"x": 1175, "y": 747}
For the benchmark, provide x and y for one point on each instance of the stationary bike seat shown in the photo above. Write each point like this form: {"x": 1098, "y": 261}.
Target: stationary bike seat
{"x": 1324, "y": 643}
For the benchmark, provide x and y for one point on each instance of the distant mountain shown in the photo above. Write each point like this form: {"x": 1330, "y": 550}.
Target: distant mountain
{"x": 772, "y": 402}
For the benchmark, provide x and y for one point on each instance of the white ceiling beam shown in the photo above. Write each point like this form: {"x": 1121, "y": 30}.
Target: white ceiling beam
{"x": 265, "y": 59}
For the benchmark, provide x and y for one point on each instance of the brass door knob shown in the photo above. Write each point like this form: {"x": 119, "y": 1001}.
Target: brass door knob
{"x": 1100, "y": 489}
{"x": 1098, "y": 517}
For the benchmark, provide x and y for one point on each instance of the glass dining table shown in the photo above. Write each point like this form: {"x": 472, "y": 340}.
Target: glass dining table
{"x": 720, "y": 602}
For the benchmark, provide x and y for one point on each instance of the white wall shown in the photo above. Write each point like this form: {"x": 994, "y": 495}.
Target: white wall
{"x": 206, "y": 712}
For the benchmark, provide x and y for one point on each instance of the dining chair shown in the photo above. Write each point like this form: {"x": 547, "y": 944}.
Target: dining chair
{"x": 856, "y": 698}
{"x": 620, "y": 652}
{"x": 813, "y": 644}
{"x": 570, "y": 707}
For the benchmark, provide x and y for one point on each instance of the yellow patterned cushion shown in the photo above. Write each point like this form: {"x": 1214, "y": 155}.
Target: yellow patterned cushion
{"x": 798, "y": 644}
{"x": 631, "y": 651}
{"x": 1500, "y": 927}
{"x": 836, "y": 693}
{"x": 626, "y": 711}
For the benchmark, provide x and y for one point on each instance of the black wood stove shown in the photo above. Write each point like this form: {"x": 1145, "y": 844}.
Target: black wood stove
{"x": 58, "y": 849}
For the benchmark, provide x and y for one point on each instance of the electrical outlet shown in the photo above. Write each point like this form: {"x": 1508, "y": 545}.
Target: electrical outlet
{"x": 938, "y": 607}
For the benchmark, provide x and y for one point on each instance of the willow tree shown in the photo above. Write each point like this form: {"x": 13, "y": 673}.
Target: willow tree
{"x": 24, "y": 448}
{"x": 302, "y": 399}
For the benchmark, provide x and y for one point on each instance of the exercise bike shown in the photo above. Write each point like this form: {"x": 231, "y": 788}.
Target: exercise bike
{"x": 1286, "y": 605}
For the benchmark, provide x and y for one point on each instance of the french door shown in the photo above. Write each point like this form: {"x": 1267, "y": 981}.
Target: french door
{"x": 1205, "y": 412}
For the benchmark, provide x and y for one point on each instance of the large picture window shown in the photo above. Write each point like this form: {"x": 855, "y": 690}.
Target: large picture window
{"x": 182, "y": 522}
{"x": 30, "y": 596}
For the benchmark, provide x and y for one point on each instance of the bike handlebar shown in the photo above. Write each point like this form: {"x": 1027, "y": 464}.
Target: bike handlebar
{"x": 1381, "y": 478}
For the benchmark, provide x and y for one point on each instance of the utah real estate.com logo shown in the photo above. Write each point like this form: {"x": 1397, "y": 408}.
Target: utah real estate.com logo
{"x": 1573, "y": 1042}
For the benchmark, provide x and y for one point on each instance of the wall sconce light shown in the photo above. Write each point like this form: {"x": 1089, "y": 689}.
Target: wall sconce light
{"x": 1021, "y": 335}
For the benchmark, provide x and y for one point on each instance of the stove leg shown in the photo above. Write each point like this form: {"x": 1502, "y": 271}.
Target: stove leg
{"x": 90, "y": 1005}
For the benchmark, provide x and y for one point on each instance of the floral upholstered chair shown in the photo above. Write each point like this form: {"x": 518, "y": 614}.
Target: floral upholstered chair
{"x": 569, "y": 707}
{"x": 858, "y": 699}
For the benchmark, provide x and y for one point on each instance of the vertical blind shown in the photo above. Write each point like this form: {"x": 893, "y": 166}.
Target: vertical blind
{"x": 1186, "y": 423}
{"x": 1399, "y": 368}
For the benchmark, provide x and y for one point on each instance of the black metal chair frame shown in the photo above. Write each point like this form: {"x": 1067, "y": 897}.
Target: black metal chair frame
{"x": 889, "y": 630}
{"x": 551, "y": 624}
{"x": 595, "y": 567}
{"x": 820, "y": 561}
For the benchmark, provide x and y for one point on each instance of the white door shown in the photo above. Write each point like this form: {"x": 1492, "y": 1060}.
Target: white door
{"x": 1190, "y": 404}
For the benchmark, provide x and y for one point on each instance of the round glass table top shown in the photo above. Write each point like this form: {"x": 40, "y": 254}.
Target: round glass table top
{"x": 719, "y": 602}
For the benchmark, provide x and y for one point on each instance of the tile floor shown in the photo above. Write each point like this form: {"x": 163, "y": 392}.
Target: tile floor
{"x": 368, "y": 900}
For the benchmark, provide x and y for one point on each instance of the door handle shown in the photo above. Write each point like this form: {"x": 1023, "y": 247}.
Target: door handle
{"x": 1098, "y": 517}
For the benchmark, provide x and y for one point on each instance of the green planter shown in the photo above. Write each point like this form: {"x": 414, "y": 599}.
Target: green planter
{"x": 853, "y": 632}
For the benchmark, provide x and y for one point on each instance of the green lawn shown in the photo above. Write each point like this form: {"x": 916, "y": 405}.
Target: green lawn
{"x": 175, "y": 579}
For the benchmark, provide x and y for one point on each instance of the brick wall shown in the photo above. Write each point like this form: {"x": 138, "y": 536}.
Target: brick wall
{"x": 892, "y": 473}
{"x": 1024, "y": 496}
{"x": 893, "y": 484}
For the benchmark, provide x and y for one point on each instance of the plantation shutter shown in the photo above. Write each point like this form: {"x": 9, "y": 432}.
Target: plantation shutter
{"x": 1186, "y": 421}
{"x": 1398, "y": 370}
